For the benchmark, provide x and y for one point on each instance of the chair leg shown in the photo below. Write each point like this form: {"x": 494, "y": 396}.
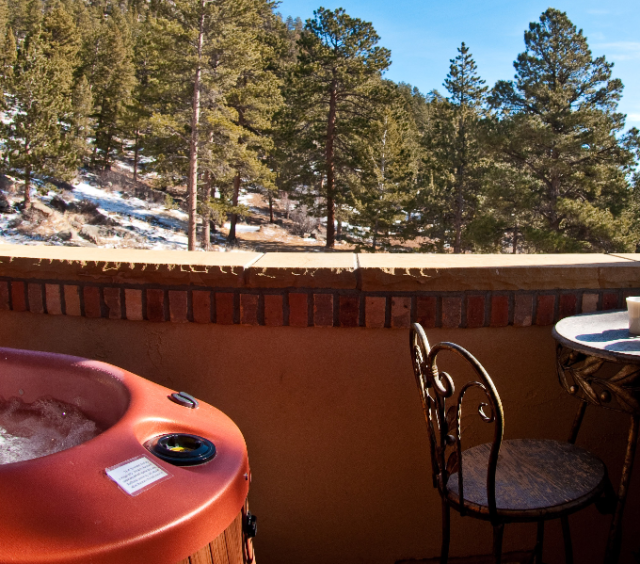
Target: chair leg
{"x": 537, "y": 553}
{"x": 446, "y": 529}
{"x": 498, "y": 532}
{"x": 566, "y": 533}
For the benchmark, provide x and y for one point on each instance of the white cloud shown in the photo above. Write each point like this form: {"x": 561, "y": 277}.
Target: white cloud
{"x": 633, "y": 117}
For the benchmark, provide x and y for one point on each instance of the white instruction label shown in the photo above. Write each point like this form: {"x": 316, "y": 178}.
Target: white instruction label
{"x": 137, "y": 474}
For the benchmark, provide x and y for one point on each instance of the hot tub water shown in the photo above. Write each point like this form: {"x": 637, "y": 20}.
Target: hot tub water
{"x": 46, "y": 426}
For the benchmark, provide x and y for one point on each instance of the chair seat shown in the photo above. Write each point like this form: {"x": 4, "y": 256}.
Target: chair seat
{"x": 534, "y": 478}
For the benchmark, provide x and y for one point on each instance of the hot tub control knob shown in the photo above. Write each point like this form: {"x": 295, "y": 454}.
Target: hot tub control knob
{"x": 184, "y": 399}
{"x": 182, "y": 449}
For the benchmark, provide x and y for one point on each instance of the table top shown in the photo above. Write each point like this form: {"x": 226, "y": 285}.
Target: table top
{"x": 603, "y": 333}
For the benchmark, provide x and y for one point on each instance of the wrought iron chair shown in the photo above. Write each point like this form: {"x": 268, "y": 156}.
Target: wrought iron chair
{"x": 503, "y": 481}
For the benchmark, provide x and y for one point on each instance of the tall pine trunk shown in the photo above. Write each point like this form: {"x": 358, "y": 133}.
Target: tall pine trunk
{"x": 234, "y": 216}
{"x": 192, "y": 184}
{"x": 331, "y": 134}
{"x": 27, "y": 187}
{"x": 206, "y": 214}
{"x": 375, "y": 235}
{"x": 107, "y": 162}
{"x": 270, "y": 207}
{"x": 457, "y": 244}
{"x": 136, "y": 156}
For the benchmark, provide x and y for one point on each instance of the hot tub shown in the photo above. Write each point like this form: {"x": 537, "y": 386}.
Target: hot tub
{"x": 73, "y": 506}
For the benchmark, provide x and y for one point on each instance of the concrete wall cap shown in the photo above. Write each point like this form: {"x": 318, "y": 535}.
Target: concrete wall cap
{"x": 125, "y": 266}
{"x": 303, "y": 270}
{"x": 383, "y": 272}
{"x": 431, "y": 272}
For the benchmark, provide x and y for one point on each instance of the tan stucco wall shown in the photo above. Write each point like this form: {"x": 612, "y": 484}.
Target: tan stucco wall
{"x": 336, "y": 438}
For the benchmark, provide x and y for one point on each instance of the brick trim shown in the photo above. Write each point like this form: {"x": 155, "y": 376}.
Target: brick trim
{"x": 303, "y": 307}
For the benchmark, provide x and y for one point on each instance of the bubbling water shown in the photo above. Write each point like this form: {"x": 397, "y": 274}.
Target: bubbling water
{"x": 32, "y": 430}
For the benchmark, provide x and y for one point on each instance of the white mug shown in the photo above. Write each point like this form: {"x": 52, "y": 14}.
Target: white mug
{"x": 633, "y": 305}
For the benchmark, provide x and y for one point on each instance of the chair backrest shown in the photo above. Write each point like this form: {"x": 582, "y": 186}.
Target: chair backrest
{"x": 443, "y": 411}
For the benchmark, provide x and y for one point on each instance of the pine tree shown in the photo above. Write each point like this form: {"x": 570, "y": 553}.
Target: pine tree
{"x": 82, "y": 109}
{"x": 82, "y": 19}
{"x": 17, "y": 17}
{"x": 111, "y": 73}
{"x": 296, "y": 159}
{"x": 4, "y": 16}
{"x": 182, "y": 33}
{"x": 338, "y": 61}
{"x": 33, "y": 15}
{"x": 560, "y": 123}
{"x": 8, "y": 55}
{"x": 137, "y": 114}
{"x": 383, "y": 191}
{"x": 39, "y": 138}
{"x": 203, "y": 52}
{"x": 467, "y": 93}
{"x": 433, "y": 220}
{"x": 255, "y": 99}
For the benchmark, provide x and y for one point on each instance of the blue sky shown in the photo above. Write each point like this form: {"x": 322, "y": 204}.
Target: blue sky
{"x": 424, "y": 34}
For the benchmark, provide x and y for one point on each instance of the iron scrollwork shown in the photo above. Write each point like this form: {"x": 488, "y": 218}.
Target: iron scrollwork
{"x": 580, "y": 375}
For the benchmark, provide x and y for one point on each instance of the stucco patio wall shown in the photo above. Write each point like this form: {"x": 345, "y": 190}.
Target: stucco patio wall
{"x": 308, "y": 353}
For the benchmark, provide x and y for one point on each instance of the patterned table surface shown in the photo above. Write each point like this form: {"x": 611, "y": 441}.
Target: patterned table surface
{"x": 604, "y": 334}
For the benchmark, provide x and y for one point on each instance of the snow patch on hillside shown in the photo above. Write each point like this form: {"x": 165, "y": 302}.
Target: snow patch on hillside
{"x": 133, "y": 222}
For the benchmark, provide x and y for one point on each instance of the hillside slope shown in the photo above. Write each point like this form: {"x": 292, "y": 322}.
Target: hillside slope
{"x": 111, "y": 210}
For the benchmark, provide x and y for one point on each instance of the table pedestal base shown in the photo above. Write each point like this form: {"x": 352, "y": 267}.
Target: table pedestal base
{"x": 578, "y": 374}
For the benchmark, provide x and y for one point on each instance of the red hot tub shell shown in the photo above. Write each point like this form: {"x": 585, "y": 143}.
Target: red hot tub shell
{"x": 62, "y": 508}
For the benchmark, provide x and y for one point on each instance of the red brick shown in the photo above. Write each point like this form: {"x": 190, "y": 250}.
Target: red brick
{"x": 201, "y": 303}
{"x": 426, "y": 311}
{"x": 590, "y": 302}
{"x": 112, "y": 301}
{"x": 374, "y": 312}
{"x": 72, "y": 301}
{"x": 610, "y": 300}
{"x": 178, "y": 307}
{"x": 155, "y": 305}
{"x": 499, "y": 311}
{"x": 4, "y": 295}
{"x": 323, "y": 310}
{"x": 545, "y": 310}
{"x": 91, "y": 296}
{"x": 523, "y": 310}
{"x": 475, "y": 311}
{"x": 349, "y": 314}
{"x": 18, "y": 298}
{"x": 224, "y": 308}
{"x": 400, "y": 312}
{"x": 568, "y": 305}
{"x": 36, "y": 299}
{"x": 133, "y": 304}
{"x": 273, "y": 313}
{"x": 298, "y": 310}
{"x": 249, "y": 309}
{"x": 53, "y": 298}
{"x": 451, "y": 312}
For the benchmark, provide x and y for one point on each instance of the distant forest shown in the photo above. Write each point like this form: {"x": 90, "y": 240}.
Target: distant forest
{"x": 217, "y": 95}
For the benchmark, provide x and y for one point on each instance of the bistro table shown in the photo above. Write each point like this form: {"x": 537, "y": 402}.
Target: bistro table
{"x": 598, "y": 362}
